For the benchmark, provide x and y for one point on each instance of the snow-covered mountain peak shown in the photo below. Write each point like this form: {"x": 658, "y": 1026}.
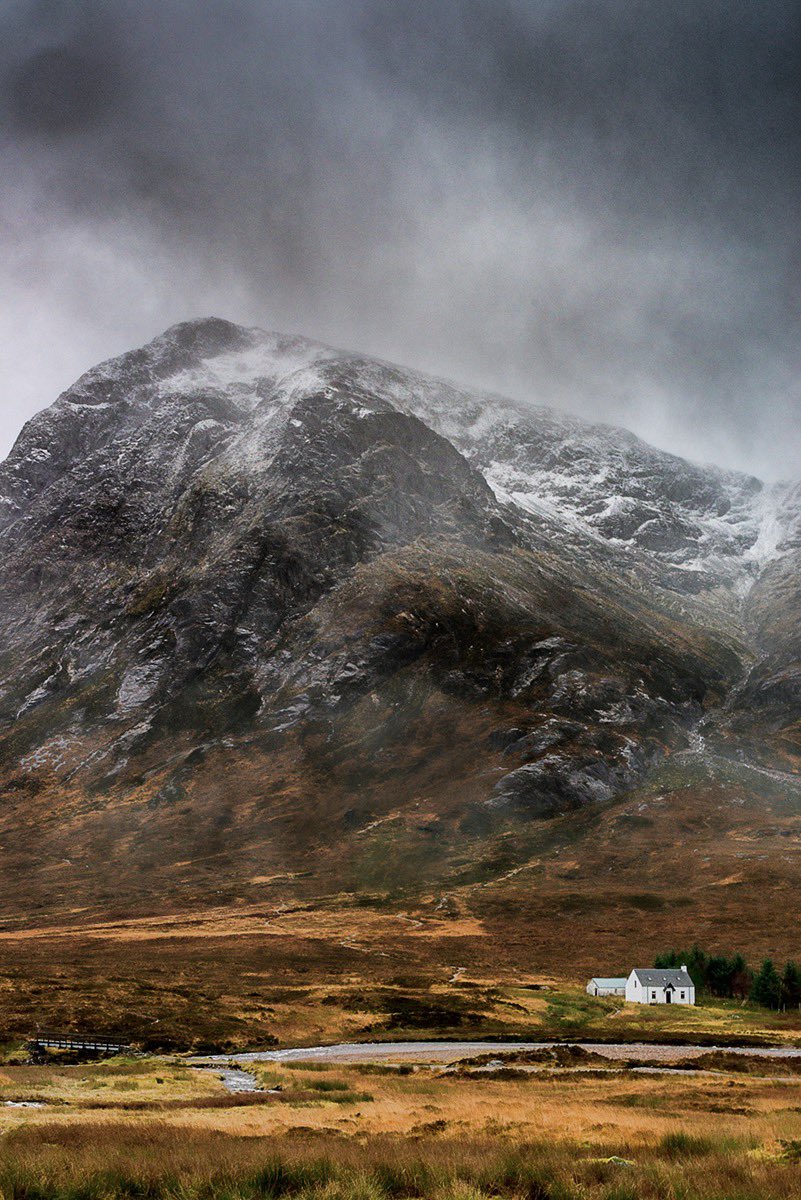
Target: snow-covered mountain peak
{"x": 705, "y": 526}
{"x": 210, "y": 391}
{"x": 243, "y": 575}
{"x": 244, "y": 372}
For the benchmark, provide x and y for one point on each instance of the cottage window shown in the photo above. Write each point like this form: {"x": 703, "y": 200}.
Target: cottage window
{"x": 682, "y": 995}
{"x": 653, "y": 995}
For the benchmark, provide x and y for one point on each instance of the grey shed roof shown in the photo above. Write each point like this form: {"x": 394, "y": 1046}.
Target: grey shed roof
{"x": 602, "y": 982}
{"x": 653, "y": 978}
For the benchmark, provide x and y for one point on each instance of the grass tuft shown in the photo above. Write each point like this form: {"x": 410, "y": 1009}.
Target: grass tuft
{"x": 678, "y": 1144}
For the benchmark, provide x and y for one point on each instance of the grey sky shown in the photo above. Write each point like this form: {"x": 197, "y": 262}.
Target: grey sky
{"x": 591, "y": 203}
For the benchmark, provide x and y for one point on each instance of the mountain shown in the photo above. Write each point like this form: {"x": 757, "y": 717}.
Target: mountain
{"x": 283, "y": 621}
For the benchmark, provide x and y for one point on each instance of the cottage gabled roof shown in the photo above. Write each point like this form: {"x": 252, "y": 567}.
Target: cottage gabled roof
{"x": 652, "y": 977}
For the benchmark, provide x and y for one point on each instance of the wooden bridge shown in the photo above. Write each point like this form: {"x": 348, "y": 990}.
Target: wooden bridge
{"x": 96, "y": 1044}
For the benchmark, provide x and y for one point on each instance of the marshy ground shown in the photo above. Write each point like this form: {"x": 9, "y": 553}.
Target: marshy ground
{"x": 158, "y": 1128}
{"x": 155, "y": 1128}
{"x": 227, "y": 981}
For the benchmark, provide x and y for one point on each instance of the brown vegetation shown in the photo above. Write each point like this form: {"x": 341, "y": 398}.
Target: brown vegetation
{"x": 420, "y": 1134}
{"x": 261, "y": 977}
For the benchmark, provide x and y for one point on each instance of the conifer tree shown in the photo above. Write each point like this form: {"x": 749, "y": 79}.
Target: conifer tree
{"x": 667, "y": 960}
{"x": 719, "y": 975}
{"x": 791, "y": 986}
{"x": 696, "y": 962}
{"x": 767, "y": 987}
{"x": 741, "y": 977}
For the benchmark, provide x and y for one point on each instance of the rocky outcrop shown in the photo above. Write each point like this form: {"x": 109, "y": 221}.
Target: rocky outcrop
{"x": 232, "y": 548}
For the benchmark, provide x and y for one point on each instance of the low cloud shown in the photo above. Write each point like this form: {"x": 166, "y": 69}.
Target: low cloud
{"x": 588, "y": 205}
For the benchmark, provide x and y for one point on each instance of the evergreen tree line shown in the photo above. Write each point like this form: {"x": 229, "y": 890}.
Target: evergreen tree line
{"x": 732, "y": 977}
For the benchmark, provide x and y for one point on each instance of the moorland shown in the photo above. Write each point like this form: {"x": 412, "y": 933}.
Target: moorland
{"x": 158, "y": 1129}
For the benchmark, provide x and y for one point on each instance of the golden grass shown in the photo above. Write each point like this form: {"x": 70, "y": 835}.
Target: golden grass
{"x": 344, "y": 974}
{"x": 151, "y": 1121}
{"x": 114, "y": 1081}
{"x": 555, "y": 1136}
{"x": 249, "y": 920}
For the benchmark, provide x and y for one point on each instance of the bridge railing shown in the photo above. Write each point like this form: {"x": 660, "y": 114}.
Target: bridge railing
{"x": 68, "y": 1041}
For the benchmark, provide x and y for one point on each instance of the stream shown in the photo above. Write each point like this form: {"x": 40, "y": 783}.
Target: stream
{"x": 447, "y": 1052}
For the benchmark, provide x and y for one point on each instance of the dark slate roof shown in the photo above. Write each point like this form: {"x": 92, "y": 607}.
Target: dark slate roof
{"x": 658, "y": 978}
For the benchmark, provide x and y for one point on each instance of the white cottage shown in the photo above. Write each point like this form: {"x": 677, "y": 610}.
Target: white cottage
{"x": 654, "y": 986}
{"x": 601, "y": 986}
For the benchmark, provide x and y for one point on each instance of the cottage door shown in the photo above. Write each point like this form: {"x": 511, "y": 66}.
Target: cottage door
{"x": 668, "y": 995}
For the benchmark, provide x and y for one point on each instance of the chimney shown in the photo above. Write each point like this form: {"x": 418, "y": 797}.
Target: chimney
{"x": 684, "y": 966}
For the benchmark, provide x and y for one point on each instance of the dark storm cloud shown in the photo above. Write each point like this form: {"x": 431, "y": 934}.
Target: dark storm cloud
{"x": 594, "y": 204}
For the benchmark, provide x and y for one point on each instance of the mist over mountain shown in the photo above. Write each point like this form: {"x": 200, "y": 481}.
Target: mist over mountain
{"x": 587, "y": 205}
{"x": 271, "y": 610}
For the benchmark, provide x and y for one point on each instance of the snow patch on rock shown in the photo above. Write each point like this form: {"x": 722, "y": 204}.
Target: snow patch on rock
{"x": 238, "y": 373}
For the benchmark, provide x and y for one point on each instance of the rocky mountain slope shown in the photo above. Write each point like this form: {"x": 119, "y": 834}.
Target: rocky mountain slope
{"x": 271, "y": 611}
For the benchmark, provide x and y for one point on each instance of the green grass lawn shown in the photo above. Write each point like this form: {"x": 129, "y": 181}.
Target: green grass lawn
{"x": 570, "y": 1012}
